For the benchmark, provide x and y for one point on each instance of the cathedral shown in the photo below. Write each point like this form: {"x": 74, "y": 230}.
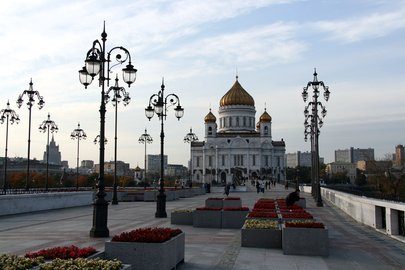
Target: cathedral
{"x": 235, "y": 147}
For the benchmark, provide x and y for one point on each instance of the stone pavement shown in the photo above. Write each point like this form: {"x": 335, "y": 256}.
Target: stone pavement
{"x": 352, "y": 245}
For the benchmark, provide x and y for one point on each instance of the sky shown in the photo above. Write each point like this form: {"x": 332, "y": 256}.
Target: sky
{"x": 357, "y": 47}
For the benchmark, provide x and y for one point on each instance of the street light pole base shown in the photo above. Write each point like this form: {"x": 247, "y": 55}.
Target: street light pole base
{"x": 161, "y": 205}
{"x": 114, "y": 200}
{"x": 100, "y": 214}
{"x": 319, "y": 203}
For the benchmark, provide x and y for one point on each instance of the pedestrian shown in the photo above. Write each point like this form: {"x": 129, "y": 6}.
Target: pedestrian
{"x": 257, "y": 186}
{"x": 262, "y": 187}
{"x": 292, "y": 197}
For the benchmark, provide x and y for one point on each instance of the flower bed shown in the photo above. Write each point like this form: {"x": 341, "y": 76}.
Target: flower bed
{"x": 233, "y": 217}
{"x": 81, "y": 263}
{"x": 67, "y": 252}
{"x": 305, "y": 215}
{"x": 16, "y": 262}
{"x": 232, "y": 199}
{"x": 209, "y": 208}
{"x": 306, "y": 241}
{"x": 182, "y": 217}
{"x": 261, "y": 214}
{"x": 305, "y": 224}
{"x": 264, "y": 205}
{"x": 260, "y": 233}
{"x": 148, "y": 248}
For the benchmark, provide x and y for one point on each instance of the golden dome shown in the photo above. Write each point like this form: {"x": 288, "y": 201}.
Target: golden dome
{"x": 258, "y": 125}
{"x": 237, "y": 96}
{"x": 210, "y": 117}
{"x": 265, "y": 117}
{"x": 137, "y": 169}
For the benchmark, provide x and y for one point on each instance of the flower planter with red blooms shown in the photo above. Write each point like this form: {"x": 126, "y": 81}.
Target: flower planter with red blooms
{"x": 207, "y": 217}
{"x": 306, "y": 238}
{"x": 67, "y": 252}
{"x": 148, "y": 248}
{"x": 261, "y": 214}
{"x": 297, "y": 215}
{"x": 234, "y": 217}
{"x": 214, "y": 202}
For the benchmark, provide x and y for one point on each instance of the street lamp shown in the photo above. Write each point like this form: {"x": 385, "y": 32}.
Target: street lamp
{"x": 48, "y": 125}
{"x": 8, "y": 115}
{"x": 145, "y": 139}
{"x": 98, "y": 62}
{"x": 78, "y": 134}
{"x": 159, "y": 103}
{"x": 97, "y": 140}
{"x": 313, "y": 122}
{"x": 119, "y": 94}
{"x": 31, "y": 94}
{"x": 190, "y": 138}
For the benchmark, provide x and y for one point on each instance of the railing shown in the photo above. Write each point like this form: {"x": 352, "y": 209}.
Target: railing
{"x": 16, "y": 191}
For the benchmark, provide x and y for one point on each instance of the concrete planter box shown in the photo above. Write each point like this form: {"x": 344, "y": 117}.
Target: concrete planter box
{"x": 305, "y": 241}
{"x": 153, "y": 256}
{"x": 150, "y": 196}
{"x": 207, "y": 219}
{"x": 261, "y": 238}
{"x": 302, "y": 202}
{"x": 232, "y": 203}
{"x": 214, "y": 203}
{"x": 170, "y": 195}
{"x": 181, "y": 218}
{"x": 233, "y": 219}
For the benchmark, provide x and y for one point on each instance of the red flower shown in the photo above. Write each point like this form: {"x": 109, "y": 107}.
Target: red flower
{"x": 68, "y": 252}
{"x": 209, "y": 208}
{"x": 315, "y": 225}
{"x": 148, "y": 235}
{"x": 232, "y": 198}
{"x": 263, "y": 215}
{"x": 296, "y": 215}
{"x": 265, "y": 205}
{"x": 263, "y": 210}
{"x": 236, "y": 209}
{"x": 215, "y": 199}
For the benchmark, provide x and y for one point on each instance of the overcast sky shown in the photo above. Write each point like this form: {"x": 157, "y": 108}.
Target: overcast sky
{"x": 358, "y": 48}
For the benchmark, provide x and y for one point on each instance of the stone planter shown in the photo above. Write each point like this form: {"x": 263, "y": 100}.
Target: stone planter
{"x": 181, "y": 218}
{"x": 305, "y": 241}
{"x": 214, "y": 203}
{"x": 232, "y": 203}
{"x": 153, "y": 256}
{"x": 261, "y": 238}
{"x": 233, "y": 219}
{"x": 302, "y": 202}
{"x": 207, "y": 219}
{"x": 150, "y": 195}
{"x": 170, "y": 195}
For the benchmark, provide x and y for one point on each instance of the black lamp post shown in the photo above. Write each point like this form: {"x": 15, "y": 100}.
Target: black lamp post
{"x": 190, "y": 138}
{"x": 158, "y": 103}
{"x": 145, "y": 139}
{"x": 10, "y": 116}
{"x": 98, "y": 62}
{"x": 78, "y": 134}
{"x": 49, "y": 126}
{"x": 313, "y": 122}
{"x": 119, "y": 94}
{"x": 31, "y": 94}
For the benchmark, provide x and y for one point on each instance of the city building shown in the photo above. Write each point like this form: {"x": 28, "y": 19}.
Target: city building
{"x": 374, "y": 166}
{"x": 122, "y": 168}
{"x": 153, "y": 163}
{"x": 88, "y": 164}
{"x": 353, "y": 155}
{"x": 399, "y": 155}
{"x": 342, "y": 167}
{"x": 176, "y": 170}
{"x": 235, "y": 147}
{"x": 302, "y": 159}
{"x": 54, "y": 153}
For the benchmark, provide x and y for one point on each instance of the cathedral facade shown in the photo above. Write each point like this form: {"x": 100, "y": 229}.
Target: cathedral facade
{"x": 236, "y": 147}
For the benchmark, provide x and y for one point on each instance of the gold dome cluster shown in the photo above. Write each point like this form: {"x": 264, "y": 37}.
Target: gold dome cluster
{"x": 265, "y": 117}
{"x": 210, "y": 117}
{"x": 237, "y": 96}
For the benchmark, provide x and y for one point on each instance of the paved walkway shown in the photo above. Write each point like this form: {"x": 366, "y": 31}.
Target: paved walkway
{"x": 352, "y": 246}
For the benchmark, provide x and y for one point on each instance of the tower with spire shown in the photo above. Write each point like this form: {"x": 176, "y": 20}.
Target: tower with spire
{"x": 236, "y": 148}
{"x": 54, "y": 153}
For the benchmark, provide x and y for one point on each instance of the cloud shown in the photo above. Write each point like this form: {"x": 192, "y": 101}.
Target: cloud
{"x": 367, "y": 27}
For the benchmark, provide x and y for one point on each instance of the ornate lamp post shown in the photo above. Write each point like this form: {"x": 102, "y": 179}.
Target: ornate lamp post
{"x": 98, "y": 62}
{"x": 159, "y": 103}
{"x": 190, "y": 138}
{"x": 31, "y": 94}
{"x": 145, "y": 139}
{"x": 48, "y": 125}
{"x": 8, "y": 115}
{"x": 119, "y": 94}
{"x": 78, "y": 134}
{"x": 97, "y": 140}
{"x": 313, "y": 122}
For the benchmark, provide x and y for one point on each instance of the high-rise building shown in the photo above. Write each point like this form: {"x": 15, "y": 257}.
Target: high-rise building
{"x": 54, "y": 153}
{"x": 353, "y": 155}
{"x": 236, "y": 148}
{"x": 302, "y": 159}
{"x": 153, "y": 163}
{"x": 88, "y": 164}
{"x": 399, "y": 155}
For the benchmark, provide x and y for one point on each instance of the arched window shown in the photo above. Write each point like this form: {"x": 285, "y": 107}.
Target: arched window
{"x": 209, "y": 130}
{"x": 266, "y": 130}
